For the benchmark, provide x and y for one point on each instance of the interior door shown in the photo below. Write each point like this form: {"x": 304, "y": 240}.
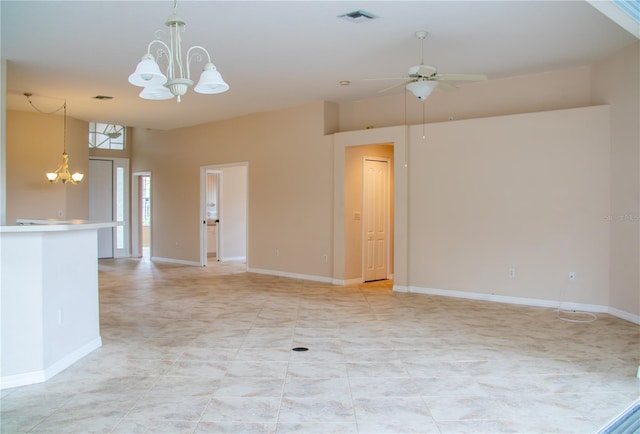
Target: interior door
{"x": 101, "y": 202}
{"x": 375, "y": 211}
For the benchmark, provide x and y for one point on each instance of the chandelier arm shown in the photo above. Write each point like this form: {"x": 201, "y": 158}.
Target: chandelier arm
{"x": 160, "y": 52}
{"x": 197, "y": 55}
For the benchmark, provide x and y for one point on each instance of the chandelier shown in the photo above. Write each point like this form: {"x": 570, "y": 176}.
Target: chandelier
{"x": 177, "y": 80}
{"x": 62, "y": 173}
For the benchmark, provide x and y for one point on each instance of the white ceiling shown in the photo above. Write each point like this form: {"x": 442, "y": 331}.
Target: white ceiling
{"x": 279, "y": 54}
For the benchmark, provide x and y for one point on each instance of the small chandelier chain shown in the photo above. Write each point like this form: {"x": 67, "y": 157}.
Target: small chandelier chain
{"x": 64, "y": 136}
{"x": 63, "y": 106}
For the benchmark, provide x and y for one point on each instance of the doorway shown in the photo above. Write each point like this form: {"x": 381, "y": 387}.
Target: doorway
{"x": 141, "y": 215}
{"x": 109, "y": 201}
{"x": 368, "y": 213}
{"x": 224, "y": 207}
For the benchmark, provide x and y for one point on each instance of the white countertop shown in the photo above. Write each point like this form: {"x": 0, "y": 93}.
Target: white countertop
{"x": 53, "y": 225}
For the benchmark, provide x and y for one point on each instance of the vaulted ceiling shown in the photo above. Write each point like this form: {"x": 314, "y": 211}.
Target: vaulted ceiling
{"x": 284, "y": 53}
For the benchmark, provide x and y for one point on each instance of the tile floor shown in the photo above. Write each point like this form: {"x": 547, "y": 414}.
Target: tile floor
{"x": 209, "y": 350}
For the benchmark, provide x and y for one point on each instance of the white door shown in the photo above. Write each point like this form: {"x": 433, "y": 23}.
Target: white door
{"x": 101, "y": 202}
{"x": 375, "y": 211}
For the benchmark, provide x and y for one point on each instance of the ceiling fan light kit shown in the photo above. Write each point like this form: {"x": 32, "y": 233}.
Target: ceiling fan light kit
{"x": 422, "y": 88}
{"x": 177, "y": 80}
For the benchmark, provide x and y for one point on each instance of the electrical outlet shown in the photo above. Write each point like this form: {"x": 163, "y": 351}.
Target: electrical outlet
{"x": 277, "y": 252}
{"x": 572, "y": 276}
{"x": 512, "y": 272}
{"x": 325, "y": 258}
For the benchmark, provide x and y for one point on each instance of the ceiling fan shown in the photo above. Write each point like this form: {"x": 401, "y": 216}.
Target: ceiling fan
{"x": 423, "y": 79}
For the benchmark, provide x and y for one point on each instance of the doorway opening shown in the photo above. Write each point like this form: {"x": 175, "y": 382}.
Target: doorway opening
{"x": 369, "y": 214}
{"x": 224, "y": 207}
{"x": 141, "y": 216}
{"x": 109, "y": 201}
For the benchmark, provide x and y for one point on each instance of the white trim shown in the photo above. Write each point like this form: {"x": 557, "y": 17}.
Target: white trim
{"x": 234, "y": 258}
{"x": 291, "y": 275}
{"x": 509, "y": 300}
{"x": 45, "y": 374}
{"x": 624, "y": 315}
{"x": 174, "y": 261}
{"x": 136, "y": 224}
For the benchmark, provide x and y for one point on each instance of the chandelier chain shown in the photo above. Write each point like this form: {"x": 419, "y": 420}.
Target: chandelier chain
{"x": 63, "y": 106}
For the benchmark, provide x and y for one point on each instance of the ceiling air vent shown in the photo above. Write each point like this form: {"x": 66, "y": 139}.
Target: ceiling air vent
{"x": 358, "y": 16}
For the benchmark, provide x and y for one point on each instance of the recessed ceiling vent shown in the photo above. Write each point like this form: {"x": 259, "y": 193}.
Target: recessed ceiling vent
{"x": 358, "y": 16}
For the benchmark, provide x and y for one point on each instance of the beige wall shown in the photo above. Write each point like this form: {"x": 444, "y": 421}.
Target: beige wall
{"x": 529, "y": 192}
{"x": 290, "y": 186}
{"x": 34, "y": 147}
{"x": 293, "y": 170}
{"x": 616, "y": 82}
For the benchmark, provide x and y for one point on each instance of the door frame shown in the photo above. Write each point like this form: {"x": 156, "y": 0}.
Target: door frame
{"x": 203, "y": 210}
{"x": 387, "y": 202}
{"x": 123, "y": 163}
{"x": 397, "y": 137}
{"x": 136, "y": 210}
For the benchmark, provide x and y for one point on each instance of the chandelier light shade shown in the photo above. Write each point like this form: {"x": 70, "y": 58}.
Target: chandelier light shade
{"x": 422, "y": 88}
{"x": 177, "y": 77}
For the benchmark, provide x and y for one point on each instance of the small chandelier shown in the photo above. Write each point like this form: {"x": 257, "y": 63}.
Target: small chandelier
{"x": 62, "y": 173}
{"x": 176, "y": 82}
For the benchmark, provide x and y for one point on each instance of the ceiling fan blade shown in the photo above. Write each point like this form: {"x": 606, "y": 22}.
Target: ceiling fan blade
{"x": 404, "y": 83}
{"x": 462, "y": 77}
{"x": 446, "y": 86}
{"x": 386, "y": 78}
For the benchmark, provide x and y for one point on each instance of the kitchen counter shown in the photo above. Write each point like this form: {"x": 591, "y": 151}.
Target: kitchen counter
{"x": 48, "y": 297}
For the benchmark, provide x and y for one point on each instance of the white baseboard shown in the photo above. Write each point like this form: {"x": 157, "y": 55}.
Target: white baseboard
{"x": 174, "y": 261}
{"x": 624, "y": 315}
{"x": 40, "y": 376}
{"x": 508, "y": 299}
{"x": 234, "y": 258}
{"x": 290, "y": 275}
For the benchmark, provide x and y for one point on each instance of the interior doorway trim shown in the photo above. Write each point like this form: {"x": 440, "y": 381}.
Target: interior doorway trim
{"x": 396, "y": 136}
{"x": 220, "y": 168}
{"x": 136, "y": 212}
